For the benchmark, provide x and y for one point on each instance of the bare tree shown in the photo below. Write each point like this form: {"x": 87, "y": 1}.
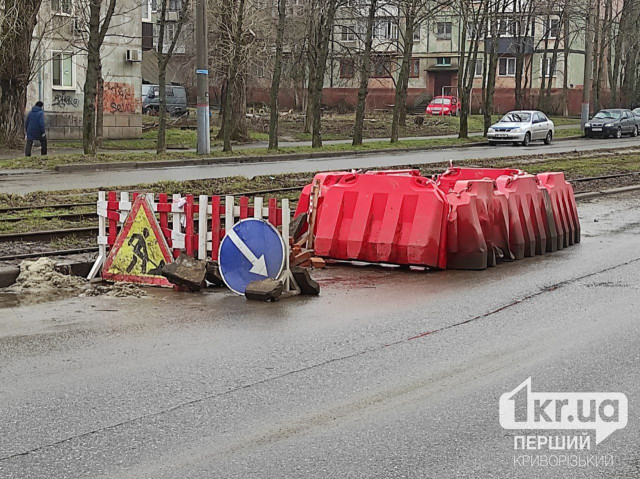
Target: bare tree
{"x": 277, "y": 72}
{"x": 17, "y": 23}
{"x": 365, "y": 67}
{"x": 164, "y": 57}
{"x": 98, "y": 28}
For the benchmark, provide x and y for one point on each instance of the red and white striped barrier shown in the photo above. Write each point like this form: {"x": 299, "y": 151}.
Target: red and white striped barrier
{"x": 193, "y": 228}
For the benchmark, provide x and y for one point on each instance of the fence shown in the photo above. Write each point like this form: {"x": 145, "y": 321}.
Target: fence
{"x": 193, "y": 228}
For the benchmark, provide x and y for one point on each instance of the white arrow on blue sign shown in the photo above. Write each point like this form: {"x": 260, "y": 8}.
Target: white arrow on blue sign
{"x": 252, "y": 250}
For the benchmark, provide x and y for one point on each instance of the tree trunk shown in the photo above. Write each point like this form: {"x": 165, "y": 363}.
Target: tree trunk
{"x": 275, "y": 82}
{"x": 97, "y": 32}
{"x": 491, "y": 70}
{"x": 232, "y": 81}
{"x": 365, "y": 66}
{"x": 402, "y": 82}
{"x": 17, "y": 24}
{"x": 325, "y": 30}
{"x": 91, "y": 79}
{"x": 99, "y": 110}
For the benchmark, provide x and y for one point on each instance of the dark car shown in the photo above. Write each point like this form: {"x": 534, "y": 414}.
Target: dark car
{"x": 614, "y": 122}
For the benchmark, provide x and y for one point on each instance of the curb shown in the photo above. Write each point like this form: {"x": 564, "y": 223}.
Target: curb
{"x": 612, "y": 191}
{"x": 9, "y": 274}
{"x": 221, "y": 160}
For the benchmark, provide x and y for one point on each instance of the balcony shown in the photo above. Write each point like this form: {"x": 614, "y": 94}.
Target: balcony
{"x": 508, "y": 45}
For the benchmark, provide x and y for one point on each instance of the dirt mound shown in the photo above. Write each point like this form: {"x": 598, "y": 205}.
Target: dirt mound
{"x": 39, "y": 281}
{"x": 40, "y": 278}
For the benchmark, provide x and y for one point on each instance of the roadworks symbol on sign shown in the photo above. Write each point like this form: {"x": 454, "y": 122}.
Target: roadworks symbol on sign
{"x": 140, "y": 251}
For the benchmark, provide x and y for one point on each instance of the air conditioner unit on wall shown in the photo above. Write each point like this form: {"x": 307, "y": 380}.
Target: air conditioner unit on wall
{"x": 173, "y": 16}
{"x": 133, "y": 56}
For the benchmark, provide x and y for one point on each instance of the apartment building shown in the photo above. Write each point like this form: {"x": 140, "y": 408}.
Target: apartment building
{"x": 436, "y": 54}
{"x": 59, "y": 45}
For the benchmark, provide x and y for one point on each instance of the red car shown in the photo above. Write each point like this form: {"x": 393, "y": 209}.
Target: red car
{"x": 443, "y": 105}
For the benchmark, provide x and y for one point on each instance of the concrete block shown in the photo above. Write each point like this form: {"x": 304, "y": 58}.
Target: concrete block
{"x": 131, "y": 132}
{"x": 109, "y": 120}
{"x": 56, "y": 133}
{"x": 135, "y": 120}
{"x": 8, "y": 275}
{"x": 213, "y": 274}
{"x": 113, "y": 132}
{"x": 307, "y": 285}
{"x": 296, "y": 226}
{"x": 186, "y": 271}
{"x": 265, "y": 290}
{"x": 122, "y": 120}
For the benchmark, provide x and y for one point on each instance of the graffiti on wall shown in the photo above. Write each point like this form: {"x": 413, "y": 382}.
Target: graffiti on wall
{"x": 63, "y": 100}
{"x": 120, "y": 98}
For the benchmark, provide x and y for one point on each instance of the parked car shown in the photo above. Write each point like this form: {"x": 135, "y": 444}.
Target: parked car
{"x": 176, "y": 99}
{"x": 636, "y": 112}
{"x": 443, "y": 105}
{"x": 614, "y": 122}
{"x": 522, "y": 127}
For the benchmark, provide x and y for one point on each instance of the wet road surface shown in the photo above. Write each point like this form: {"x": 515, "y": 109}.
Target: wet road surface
{"x": 389, "y": 373}
{"x": 51, "y": 181}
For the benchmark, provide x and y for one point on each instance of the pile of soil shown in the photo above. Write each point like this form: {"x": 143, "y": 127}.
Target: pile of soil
{"x": 39, "y": 281}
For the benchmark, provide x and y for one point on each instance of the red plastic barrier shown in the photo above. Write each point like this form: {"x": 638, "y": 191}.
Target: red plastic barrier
{"x": 478, "y": 226}
{"x": 565, "y": 211}
{"x": 471, "y": 218}
{"x": 326, "y": 180}
{"x": 383, "y": 219}
{"x": 531, "y": 222}
{"x": 447, "y": 180}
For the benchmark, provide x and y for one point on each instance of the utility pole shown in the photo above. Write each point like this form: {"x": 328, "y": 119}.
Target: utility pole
{"x": 588, "y": 67}
{"x": 202, "y": 75}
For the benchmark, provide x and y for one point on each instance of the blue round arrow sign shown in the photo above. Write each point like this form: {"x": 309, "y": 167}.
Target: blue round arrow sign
{"x": 252, "y": 250}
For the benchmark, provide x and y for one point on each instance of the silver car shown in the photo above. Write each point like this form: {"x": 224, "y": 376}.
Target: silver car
{"x": 522, "y": 127}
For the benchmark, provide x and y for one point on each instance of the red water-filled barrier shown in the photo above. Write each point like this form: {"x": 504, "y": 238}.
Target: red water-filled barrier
{"x": 398, "y": 219}
{"x": 468, "y": 218}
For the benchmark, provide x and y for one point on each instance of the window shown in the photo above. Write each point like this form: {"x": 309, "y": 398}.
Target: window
{"x": 347, "y": 68}
{"x": 146, "y": 11}
{"x": 443, "y": 61}
{"x": 444, "y": 30}
{"x": 479, "y": 69}
{"x": 381, "y": 67}
{"x": 62, "y": 7}
{"x": 507, "y": 67}
{"x": 547, "y": 68}
{"x": 348, "y": 35}
{"x": 175, "y": 5}
{"x": 414, "y": 71}
{"x": 552, "y": 27}
{"x": 62, "y": 70}
{"x": 507, "y": 27}
{"x": 385, "y": 30}
{"x": 416, "y": 33}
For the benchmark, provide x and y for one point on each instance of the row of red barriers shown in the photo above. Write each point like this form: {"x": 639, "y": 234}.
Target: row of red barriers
{"x": 466, "y": 218}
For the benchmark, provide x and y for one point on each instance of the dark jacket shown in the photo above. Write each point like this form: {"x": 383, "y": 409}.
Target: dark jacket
{"x": 35, "y": 124}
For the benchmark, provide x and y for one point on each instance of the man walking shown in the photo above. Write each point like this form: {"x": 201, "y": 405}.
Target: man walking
{"x": 35, "y": 129}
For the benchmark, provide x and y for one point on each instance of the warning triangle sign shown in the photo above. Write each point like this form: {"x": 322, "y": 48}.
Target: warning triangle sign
{"x": 140, "y": 251}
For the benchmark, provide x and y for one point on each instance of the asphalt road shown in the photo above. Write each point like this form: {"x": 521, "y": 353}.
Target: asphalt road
{"x": 389, "y": 373}
{"x": 50, "y": 181}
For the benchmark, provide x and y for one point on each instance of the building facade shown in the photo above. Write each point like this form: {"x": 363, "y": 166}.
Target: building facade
{"x": 60, "y": 45}
{"x": 437, "y": 49}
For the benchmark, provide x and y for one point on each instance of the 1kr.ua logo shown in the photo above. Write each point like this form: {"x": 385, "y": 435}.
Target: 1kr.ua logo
{"x": 602, "y": 412}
